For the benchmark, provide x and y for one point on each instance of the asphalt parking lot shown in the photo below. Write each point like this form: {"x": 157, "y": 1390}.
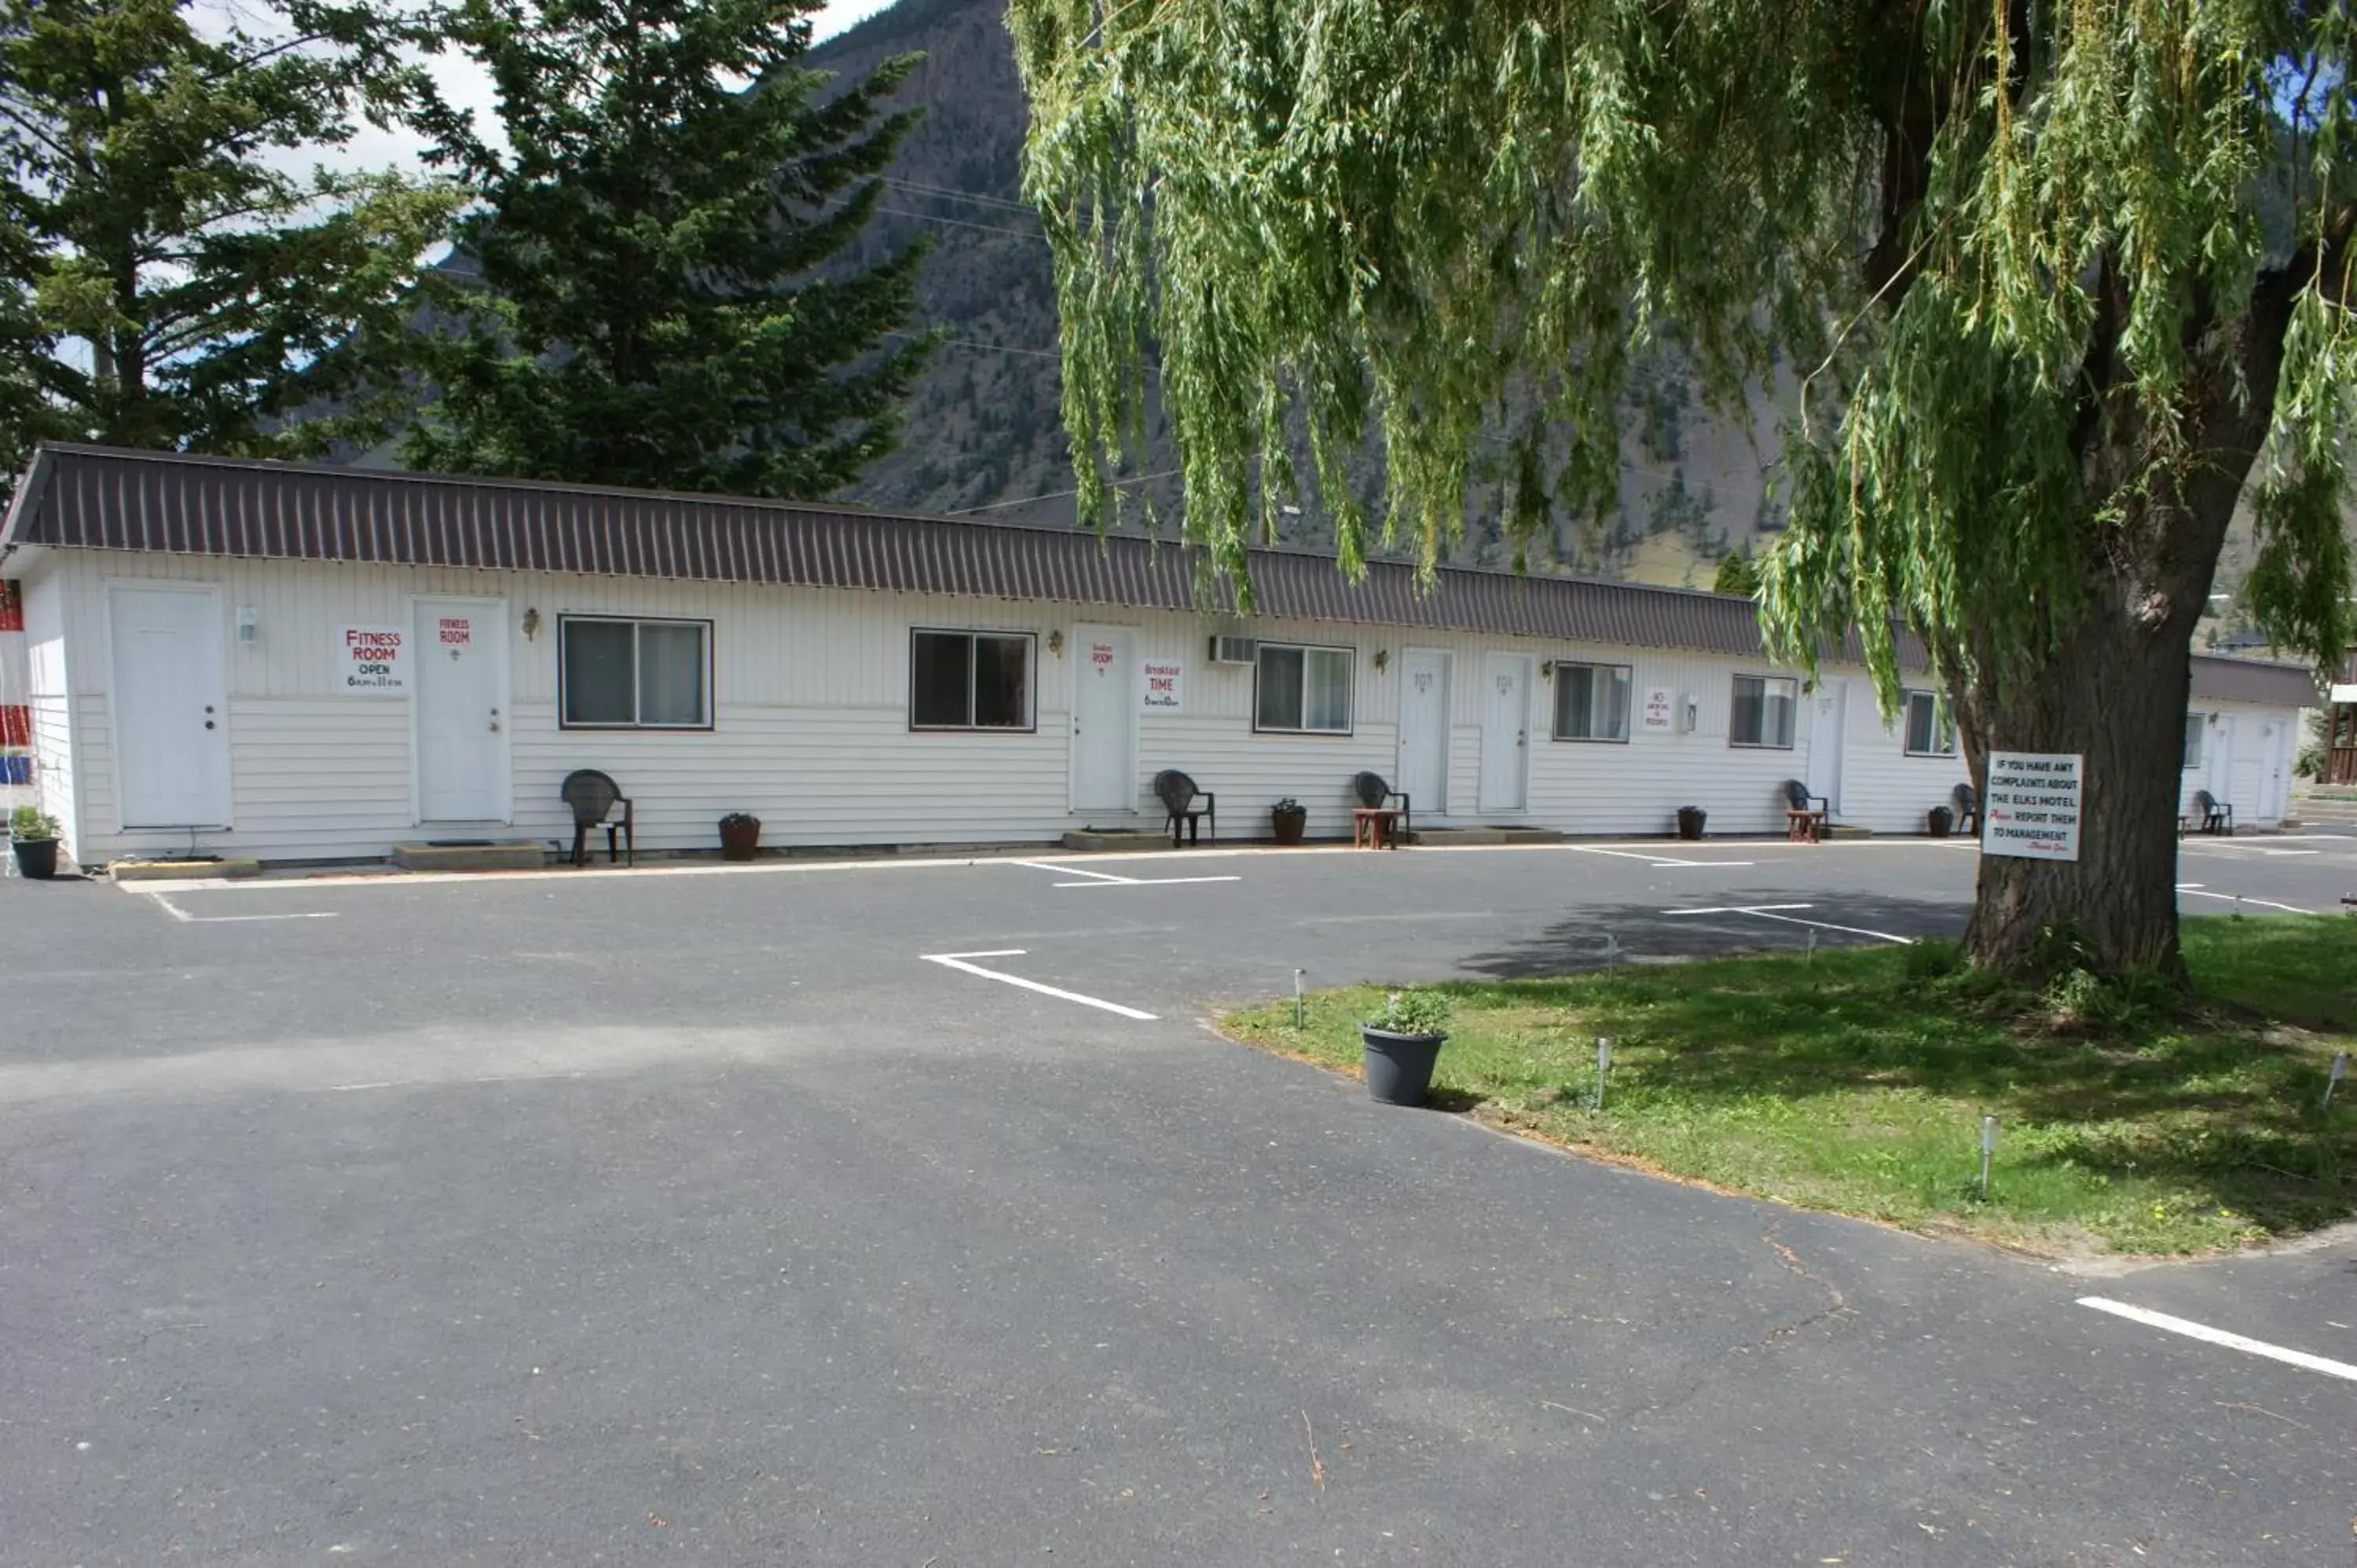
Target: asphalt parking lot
{"x": 909, "y": 1213}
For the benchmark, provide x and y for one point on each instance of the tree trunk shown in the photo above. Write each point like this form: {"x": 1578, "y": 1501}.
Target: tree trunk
{"x": 2115, "y": 697}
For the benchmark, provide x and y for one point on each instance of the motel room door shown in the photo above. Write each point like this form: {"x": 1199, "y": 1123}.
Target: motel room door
{"x": 1505, "y": 732}
{"x": 171, "y": 707}
{"x": 1105, "y": 700}
{"x": 1424, "y": 731}
{"x": 462, "y": 709}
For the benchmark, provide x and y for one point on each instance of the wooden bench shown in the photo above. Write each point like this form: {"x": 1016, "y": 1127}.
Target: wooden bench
{"x": 1376, "y": 827}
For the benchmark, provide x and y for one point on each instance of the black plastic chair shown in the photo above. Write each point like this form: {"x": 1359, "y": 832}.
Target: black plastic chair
{"x": 1806, "y": 816}
{"x": 1968, "y": 809}
{"x": 1375, "y": 793}
{"x": 1178, "y": 794}
{"x": 593, "y": 797}
{"x": 2212, "y": 815}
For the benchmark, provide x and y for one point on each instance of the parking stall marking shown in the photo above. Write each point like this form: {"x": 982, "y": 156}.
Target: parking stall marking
{"x": 187, "y": 920}
{"x": 1107, "y": 879}
{"x": 2200, "y": 892}
{"x": 958, "y": 961}
{"x": 2220, "y": 1336}
{"x": 1769, "y": 912}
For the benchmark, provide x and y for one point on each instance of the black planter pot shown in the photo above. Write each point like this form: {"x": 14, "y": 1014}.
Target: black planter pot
{"x": 1289, "y": 826}
{"x": 37, "y": 859}
{"x": 740, "y": 838}
{"x": 1690, "y": 822}
{"x": 1938, "y": 821}
{"x": 1399, "y": 1067}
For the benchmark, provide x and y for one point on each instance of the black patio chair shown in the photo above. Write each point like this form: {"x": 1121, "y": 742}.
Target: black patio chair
{"x": 1968, "y": 809}
{"x": 593, "y": 797}
{"x": 1806, "y": 816}
{"x": 1179, "y": 797}
{"x": 1374, "y": 792}
{"x": 2210, "y": 814}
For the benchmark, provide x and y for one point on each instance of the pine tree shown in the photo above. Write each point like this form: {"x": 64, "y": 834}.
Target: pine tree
{"x": 660, "y": 301}
{"x": 164, "y": 280}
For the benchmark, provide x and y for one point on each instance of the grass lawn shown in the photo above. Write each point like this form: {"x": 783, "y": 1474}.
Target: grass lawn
{"x": 1856, "y": 1083}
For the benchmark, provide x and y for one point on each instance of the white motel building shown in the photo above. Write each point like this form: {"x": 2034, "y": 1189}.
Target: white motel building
{"x": 303, "y": 664}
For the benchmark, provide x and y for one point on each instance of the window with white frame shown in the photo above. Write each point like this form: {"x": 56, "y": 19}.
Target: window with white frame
{"x": 970, "y": 679}
{"x": 1931, "y": 728}
{"x": 1764, "y": 705}
{"x": 2195, "y": 728}
{"x": 1591, "y": 702}
{"x": 1303, "y": 690}
{"x": 619, "y": 672}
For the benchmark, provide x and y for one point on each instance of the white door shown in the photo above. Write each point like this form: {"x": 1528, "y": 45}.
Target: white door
{"x": 171, "y": 710}
{"x": 1424, "y": 731}
{"x": 2275, "y": 792}
{"x": 462, "y": 711}
{"x": 1828, "y": 734}
{"x": 1105, "y": 698}
{"x": 2222, "y": 760}
{"x": 1505, "y": 732}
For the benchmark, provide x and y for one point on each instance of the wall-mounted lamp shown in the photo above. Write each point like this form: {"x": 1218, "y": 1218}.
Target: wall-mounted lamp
{"x": 1382, "y": 657}
{"x": 249, "y": 625}
{"x": 531, "y": 624}
{"x": 1056, "y": 643}
{"x": 1547, "y": 671}
{"x": 1691, "y": 709}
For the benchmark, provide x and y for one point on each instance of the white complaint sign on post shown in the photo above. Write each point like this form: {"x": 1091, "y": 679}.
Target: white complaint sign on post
{"x": 2032, "y": 809}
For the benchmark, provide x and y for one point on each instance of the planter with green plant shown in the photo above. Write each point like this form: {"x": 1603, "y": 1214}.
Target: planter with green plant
{"x": 740, "y": 836}
{"x": 1401, "y": 1045}
{"x": 1288, "y": 819}
{"x": 33, "y": 839}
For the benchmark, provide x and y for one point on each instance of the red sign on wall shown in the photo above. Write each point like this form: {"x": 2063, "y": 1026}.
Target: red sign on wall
{"x": 15, "y": 725}
{"x": 12, "y": 608}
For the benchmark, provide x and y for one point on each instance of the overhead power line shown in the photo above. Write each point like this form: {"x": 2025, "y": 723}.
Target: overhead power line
{"x": 1057, "y": 494}
{"x": 961, "y": 223}
{"x": 944, "y": 192}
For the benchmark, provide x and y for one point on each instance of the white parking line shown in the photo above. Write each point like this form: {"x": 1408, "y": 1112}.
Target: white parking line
{"x": 958, "y": 961}
{"x": 2196, "y": 889}
{"x": 187, "y": 920}
{"x": 2209, "y": 1336}
{"x": 1107, "y": 879}
{"x": 1145, "y": 882}
{"x": 1068, "y": 870}
{"x": 1769, "y": 912}
{"x": 1652, "y": 860}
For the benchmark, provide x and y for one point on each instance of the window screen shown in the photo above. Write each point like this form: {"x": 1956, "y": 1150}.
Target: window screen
{"x": 1930, "y": 731}
{"x": 635, "y": 674}
{"x": 1763, "y": 710}
{"x": 969, "y": 680}
{"x": 1591, "y": 702}
{"x": 1305, "y": 689}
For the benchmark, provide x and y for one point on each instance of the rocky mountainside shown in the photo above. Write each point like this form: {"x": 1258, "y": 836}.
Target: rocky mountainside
{"x": 982, "y": 433}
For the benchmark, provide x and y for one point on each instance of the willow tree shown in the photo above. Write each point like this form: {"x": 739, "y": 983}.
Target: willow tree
{"x": 2053, "y": 284}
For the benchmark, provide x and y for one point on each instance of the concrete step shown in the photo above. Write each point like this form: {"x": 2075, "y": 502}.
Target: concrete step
{"x": 470, "y": 854}
{"x": 1436, "y": 838}
{"x": 181, "y": 870}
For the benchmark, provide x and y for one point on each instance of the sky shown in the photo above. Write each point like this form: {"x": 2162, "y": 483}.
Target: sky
{"x": 462, "y": 83}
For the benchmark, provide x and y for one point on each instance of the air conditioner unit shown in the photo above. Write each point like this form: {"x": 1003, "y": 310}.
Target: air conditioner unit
{"x": 1234, "y": 651}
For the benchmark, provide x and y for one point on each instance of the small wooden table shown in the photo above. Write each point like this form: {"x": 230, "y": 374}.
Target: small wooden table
{"x": 1374, "y": 827}
{"x": 1805, "y": 826}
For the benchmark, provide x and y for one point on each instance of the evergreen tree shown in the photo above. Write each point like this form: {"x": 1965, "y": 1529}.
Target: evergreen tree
{"x": 661, "y": 301}
{"x": 164, "y": 280}
{"x": 2062, "y": 283}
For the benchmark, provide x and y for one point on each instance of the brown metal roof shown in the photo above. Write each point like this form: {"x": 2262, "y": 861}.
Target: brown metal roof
{"x": 110, "y": 499}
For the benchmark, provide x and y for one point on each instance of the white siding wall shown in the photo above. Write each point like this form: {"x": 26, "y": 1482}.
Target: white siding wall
{"x": 2248, "y": 767}
{"x": 49, "y": 696}
{"x": 811, "y": 731}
